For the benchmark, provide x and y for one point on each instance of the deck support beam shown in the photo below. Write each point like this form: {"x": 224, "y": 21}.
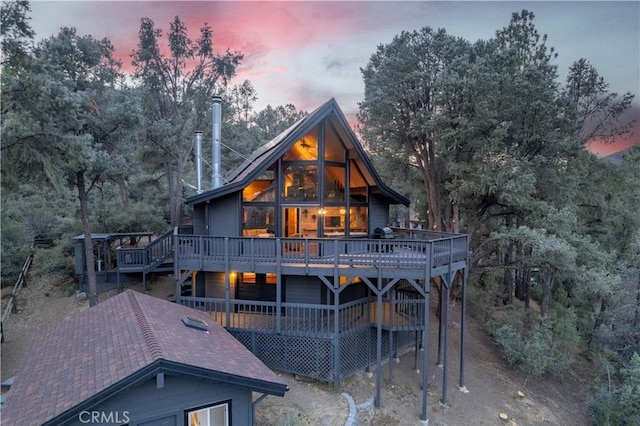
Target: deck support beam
{"x": 336, "y": 334}
{"x": 425, "y": 340}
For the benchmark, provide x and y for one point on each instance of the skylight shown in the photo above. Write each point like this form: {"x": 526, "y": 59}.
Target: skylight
{"x": 195, "y": 323}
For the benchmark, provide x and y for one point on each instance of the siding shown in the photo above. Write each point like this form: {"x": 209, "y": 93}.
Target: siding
{"x": 302, "y": 289}
{"x": 225, "y": 216}
{"x": 146, "y": 402}
{"x": 378, "y": 212}
{"x": 214, "y": 286}
{"x": 199, "y": 222}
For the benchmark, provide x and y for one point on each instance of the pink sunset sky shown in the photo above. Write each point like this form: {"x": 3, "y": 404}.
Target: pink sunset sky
{"x": 305, "y": 53}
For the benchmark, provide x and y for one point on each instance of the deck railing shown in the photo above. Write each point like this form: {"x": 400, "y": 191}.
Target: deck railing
{"x": 146, "y": 258}
{"x": 398, "y": 253}
{"x": 309, "y": 320}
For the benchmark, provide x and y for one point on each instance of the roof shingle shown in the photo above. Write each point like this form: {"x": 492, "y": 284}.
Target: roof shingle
{"x": 86, "y": 353}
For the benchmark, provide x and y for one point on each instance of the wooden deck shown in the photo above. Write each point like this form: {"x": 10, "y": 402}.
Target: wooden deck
{"x": 417, "y": 259}
{"x": 310, "y": 320}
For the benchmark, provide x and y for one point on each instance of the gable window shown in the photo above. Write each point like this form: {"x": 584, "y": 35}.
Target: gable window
{"x": 301, "y": 183}
{"x": 213, "y": 415}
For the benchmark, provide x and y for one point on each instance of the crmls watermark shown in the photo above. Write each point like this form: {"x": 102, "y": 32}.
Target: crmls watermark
{"x": 103, "y": 417}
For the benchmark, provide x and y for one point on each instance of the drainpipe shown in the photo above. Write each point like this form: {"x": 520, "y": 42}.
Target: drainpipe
{"x": 216, "y": 126}
{"x": 199, "y": 160}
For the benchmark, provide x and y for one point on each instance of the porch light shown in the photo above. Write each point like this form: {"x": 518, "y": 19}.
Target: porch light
{"x": 343, "y": 211}
{"x": 322, "y": 211}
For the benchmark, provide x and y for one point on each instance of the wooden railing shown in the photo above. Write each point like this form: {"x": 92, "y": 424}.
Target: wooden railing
{"x": 400, "y": 253}
{"x": 20, "y": 282}
{"x": 147, "y": 258}
{"x": 309, "y": 320}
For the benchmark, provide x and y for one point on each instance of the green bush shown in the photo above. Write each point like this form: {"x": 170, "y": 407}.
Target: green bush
{"x": 531, "y": 353}
{"x": 56, "y": 260}
{"x": 291, "y": 419}
{"x": 536, "y": 345}
{"x": 616, "y": 401}
{"x": 16, "y": 240}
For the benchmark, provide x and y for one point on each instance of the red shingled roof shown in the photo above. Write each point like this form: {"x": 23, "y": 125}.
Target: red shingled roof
{"x": 84, "y": 354}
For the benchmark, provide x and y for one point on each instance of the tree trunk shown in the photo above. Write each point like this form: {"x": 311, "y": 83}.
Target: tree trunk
{"x": 455, "y": 217}
{"x": 547, "y": 283}
{"x": 88, "y": 242}
{"x": 507, "y": 281}
{"x": 124, "y": 193}
{"x": 171, "y": 184}
{"x": 636, "y": 319}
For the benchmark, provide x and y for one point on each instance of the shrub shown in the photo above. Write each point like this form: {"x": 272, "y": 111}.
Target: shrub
{"x": 16, "y": 246}
{"x": 56, "y": 260}
{"x": 536, "y": 345}
{"x": 617, "y": 400}
{"x": 531, "y": 353}
{"x": 291, "y": 419}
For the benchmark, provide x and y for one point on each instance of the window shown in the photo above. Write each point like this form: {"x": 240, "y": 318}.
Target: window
{"x": 215, "y": 415}
{"x": 301, "y": 183}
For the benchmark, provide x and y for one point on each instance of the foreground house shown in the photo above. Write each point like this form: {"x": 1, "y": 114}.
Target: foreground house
{"x": 294, "y": 257}
{"x": 138, "y": 360}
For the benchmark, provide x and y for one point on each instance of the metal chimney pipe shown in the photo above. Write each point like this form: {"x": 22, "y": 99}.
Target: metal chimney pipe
{"x": 216, "y": 130}
{"x": 199, "y": 160}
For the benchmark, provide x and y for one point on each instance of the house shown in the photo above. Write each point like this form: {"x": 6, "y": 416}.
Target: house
{"x": 293, "y": 256}
{"x": 138, "y": 360}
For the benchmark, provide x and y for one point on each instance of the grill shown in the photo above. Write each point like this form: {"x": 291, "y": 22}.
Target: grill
{"x": 385, "y": 233}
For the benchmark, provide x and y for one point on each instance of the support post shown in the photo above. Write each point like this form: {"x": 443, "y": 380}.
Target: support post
{"x": 278, "y": 286}
{"x": 227, "y": 271}
{"x": 445, "y": 321}
{"x": 391, "y": 299}
{"x": 425, "y": 358}
{"x": 463, "y": 388}
{"x": 336, "y": 334}
{"x": 379, "y": 345}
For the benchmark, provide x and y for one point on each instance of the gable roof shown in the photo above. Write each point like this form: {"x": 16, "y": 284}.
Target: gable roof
{"x": 88, "y": 357}
{"x": 267, "y": 154}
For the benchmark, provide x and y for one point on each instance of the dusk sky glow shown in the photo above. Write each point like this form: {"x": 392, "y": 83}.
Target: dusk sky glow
{"x": 305, "y": 53}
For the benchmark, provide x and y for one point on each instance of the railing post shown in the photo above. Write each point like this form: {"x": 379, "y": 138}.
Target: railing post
{"x": 278, "y": 284}
{"x": 176, "y": 265}
{"x": 336, "y": 329}
{"x": 227, "y": 271}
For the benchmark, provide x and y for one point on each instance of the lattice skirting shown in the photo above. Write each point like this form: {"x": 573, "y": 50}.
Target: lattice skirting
{"x": 314, "y": 357}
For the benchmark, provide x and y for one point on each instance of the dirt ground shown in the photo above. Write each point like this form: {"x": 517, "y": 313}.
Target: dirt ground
{"x": 493, "y": 387}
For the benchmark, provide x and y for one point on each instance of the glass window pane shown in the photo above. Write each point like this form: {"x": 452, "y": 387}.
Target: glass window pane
{"x": 358, "y": 220}
{"x": 199, "y": 418}
{"x": 261, "y": 189}
{"x": 305, "y": 148}
{"x": 300, "y": 183}
{"x": 334, "y": 178}
{"x": 333, "y": 148}
{"x": 218, "y": 416}
{"x": 258, "y": 221}
{"x": 357, "y": 184}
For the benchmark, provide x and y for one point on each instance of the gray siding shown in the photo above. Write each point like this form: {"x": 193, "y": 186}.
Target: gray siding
{"x": 302, "y": 289}
{"x": 78, "y": 248}
{"x": 146, "y": 404}
{"x": 214, "y": 286}
{"x": 199, "y": 219}
{"x": 225, "y": 216}
{"x": 378, "y": 212}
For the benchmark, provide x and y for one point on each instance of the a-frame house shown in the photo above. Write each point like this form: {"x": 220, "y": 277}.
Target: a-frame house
{"x": 295, "y": 258}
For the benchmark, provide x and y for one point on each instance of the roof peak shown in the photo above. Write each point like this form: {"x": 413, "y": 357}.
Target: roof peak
{"x": 149, "y": 338}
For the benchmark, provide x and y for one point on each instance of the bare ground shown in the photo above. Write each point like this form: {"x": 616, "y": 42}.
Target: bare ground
{"x": 493, "y": 387}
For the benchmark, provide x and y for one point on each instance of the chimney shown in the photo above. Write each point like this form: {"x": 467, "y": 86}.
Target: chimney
{"x": 216, "y": 161}
{"x": 199, "y": 160}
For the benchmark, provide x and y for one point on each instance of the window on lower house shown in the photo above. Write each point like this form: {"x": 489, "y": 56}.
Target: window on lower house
{"x": 214, "y": 415}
